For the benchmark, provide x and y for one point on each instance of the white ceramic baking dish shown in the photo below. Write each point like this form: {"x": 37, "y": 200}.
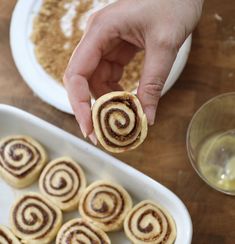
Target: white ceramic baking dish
{"x": 96, "y": 164}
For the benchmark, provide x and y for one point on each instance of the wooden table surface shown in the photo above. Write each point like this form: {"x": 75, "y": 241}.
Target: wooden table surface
{"x": 210, "y": 71}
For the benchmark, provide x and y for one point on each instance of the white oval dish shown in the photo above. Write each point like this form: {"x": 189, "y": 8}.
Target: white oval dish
{"x": 96, "y": 164}
{"x": 42, "y": 84}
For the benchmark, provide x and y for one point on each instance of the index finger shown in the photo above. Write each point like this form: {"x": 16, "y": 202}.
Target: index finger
{"x": 82, "y": 64}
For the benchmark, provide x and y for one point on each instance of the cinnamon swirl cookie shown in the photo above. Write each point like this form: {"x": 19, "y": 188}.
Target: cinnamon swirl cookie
{"x": 81, "y": 231}
{"x": 105, "y": 205}
{"x": 34, "y": 219}
{"x": 7, "y": 237}
{"x": 21, "y": 160}
{"x": 119, "y": 122}
{"x": 62, "y": 182}
{"x": 150, "y": 223}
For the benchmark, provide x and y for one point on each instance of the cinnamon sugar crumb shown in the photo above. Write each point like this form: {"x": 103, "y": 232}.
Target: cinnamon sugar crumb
{"x": 218, "y": 17}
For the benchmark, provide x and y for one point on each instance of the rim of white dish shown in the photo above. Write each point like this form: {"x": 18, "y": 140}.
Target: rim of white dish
{"x": 41, "y": 83}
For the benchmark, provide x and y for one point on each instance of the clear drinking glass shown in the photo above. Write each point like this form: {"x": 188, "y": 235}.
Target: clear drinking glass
{"x": 211, "y": 142}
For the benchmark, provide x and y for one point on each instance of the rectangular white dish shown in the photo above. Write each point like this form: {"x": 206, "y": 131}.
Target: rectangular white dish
{"x": 96, "y": 164}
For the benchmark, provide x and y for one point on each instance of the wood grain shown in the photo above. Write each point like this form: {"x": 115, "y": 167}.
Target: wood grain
{"x": 210, "y": 71}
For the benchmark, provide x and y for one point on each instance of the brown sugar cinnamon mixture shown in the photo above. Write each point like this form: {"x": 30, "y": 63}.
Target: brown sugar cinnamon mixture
{"x": 58, "y": 28}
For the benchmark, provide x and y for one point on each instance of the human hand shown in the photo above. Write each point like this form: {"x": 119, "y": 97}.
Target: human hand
{"x": 112, "y": 38}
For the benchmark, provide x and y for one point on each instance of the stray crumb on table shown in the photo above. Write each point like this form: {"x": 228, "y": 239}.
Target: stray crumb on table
{"x": 218, "y": 17}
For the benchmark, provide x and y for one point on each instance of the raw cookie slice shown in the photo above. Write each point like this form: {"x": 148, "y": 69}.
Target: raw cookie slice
{"x": 105, "y": 204}
{"x": 21, "y": 160}
{"x": 7, "y": 237}
{"x": 62, "y": 181}
{"x": 34, "y": 219}
{"x": 81, "y": 231}
{"x": 119, "y": 121}
{"x": 150, "y": 223}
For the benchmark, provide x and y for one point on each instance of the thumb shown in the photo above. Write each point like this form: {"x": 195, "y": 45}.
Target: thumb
{"x": 157, "y": 65}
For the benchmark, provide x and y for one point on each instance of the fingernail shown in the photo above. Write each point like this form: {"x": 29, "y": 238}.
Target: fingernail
{"x": 83, "y": 132}
{"x": 93, "y": 138}
{"x": 150, "y": 112}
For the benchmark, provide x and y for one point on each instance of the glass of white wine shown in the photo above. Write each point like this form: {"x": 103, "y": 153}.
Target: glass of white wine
{"x": 211, "y": 142}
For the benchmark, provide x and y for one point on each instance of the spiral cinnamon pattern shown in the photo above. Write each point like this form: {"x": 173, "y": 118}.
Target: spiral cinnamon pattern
{"x": 34, "y": 219}
{"x": 150, "y": 223}
{"x": 62, "y": 181}
{"x": 21, "y": 160}
{"x": 78, "y": 231}
{"x": 105, "y": 205}
{"x": 7, "y": 237}
{"x": 119, "y": 122}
